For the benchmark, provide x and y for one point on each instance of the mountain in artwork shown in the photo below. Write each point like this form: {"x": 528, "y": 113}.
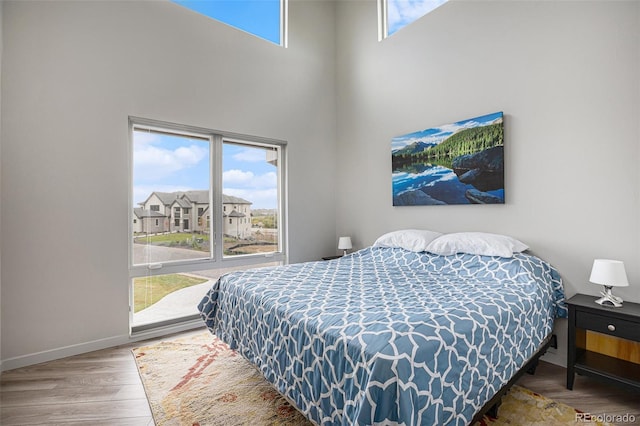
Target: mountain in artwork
{"x": 414, "y": 148}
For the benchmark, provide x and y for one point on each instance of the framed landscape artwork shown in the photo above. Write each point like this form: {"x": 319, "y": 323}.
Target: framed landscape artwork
{"x": 459, "y": 163}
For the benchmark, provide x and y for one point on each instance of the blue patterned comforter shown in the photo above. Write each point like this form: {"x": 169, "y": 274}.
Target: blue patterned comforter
{"x": 388, "y": 336}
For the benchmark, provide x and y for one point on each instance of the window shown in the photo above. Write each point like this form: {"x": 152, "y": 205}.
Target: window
{"x": 181, "y": 170}
{"x": 266, "y": 19}
{"x": 394, "y": 15}
{"x": 250, "y": 184}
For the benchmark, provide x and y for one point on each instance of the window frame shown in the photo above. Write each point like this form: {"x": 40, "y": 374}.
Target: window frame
{"x": 216, "y": 258}
{"x": 383, "y": 25}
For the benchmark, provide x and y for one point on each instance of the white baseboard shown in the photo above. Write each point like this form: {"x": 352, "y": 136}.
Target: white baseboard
{"x": 94, "y": 345}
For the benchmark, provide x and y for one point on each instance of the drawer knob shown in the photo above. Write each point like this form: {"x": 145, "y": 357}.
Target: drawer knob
{"x": 611, "y": 327}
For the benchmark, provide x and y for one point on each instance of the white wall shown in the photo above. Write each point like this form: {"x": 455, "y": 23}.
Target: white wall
{"x": 72, "y": 74}
{"x": 566, "y": 75}
{"x": 1, "y": 44}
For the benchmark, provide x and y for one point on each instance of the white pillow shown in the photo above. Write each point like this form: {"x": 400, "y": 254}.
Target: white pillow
{"x": 479, "y": 243}
{"x": 409, "y": 239}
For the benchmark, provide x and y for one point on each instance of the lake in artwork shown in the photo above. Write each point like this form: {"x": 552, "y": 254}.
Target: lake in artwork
{"x": 459, "y": 163}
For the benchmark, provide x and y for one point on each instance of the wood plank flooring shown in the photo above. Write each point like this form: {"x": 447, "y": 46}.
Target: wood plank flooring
{"x": 588, "y": 395}
{"x": 103, "y": 388}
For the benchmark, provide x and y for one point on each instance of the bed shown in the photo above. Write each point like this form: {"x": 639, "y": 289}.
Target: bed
{"x": 390, "y": 335}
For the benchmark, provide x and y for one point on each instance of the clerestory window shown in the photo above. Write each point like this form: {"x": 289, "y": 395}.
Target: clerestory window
{"x": 266, "y": 19}
{"x": 394, "y": 15}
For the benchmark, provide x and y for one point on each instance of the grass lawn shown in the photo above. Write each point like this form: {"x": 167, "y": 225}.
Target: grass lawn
{"x": 148, "y": 290}
{"x": 180, "y": 239}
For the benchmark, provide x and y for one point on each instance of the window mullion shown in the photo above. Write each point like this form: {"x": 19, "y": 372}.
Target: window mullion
{"x": 216, "y": 194}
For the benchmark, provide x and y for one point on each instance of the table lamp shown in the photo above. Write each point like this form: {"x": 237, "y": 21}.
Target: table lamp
{"x": 344, "y": 243}
{"x": 609, "y": 273}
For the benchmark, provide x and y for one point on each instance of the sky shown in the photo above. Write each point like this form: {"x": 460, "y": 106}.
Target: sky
{"x": 400, "y": 13}
{"x": 167, "y": 163}
{"x": 438, "y": 134}
{"x": 258, "y": 17}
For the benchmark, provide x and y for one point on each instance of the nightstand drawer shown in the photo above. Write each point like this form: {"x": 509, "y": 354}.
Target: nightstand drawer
{"x": 607, "y": 325}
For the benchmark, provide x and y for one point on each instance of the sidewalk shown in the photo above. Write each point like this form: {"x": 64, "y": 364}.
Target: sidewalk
{"x": 180, "y": 303}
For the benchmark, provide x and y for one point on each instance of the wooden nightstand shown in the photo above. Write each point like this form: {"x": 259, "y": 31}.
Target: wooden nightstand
{"x": 586, "y": 315}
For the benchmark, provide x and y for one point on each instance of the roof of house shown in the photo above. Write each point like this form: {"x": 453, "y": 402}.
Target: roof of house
{"x": 142, "y": 213}
{"x": 183, "y": 203}
{"x": 235, "y": 213}
{"x": 197, "y": 196}
{"x": 230, "y": 199}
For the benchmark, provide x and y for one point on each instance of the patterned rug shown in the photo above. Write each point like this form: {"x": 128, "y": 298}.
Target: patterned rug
{"x": 199, "y": 381}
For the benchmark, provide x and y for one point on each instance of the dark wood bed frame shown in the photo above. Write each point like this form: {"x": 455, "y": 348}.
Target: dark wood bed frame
{"x": 492, "y": 406}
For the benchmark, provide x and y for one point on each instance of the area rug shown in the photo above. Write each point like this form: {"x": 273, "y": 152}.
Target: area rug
{"x": 199, "y": 381}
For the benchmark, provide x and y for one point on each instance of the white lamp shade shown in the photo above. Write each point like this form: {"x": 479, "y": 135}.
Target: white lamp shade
{"x": 609, "y": 272}
{"x": 344, "y": 243}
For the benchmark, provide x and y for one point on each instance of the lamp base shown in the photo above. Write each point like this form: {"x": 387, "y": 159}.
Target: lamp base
{"x": 608, "y": 299}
